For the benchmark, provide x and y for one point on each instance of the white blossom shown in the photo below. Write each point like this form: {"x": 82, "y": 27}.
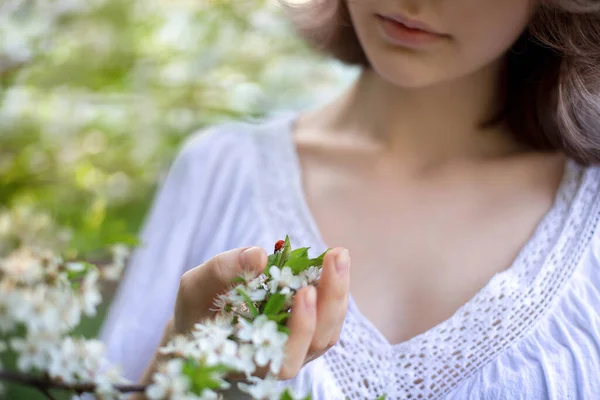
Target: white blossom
{"x": 70, "y": 313}
{"x": 76, "y": 360}
{"x": 269, "y": 342}
{"x": 310, "y": 275}
{"x": 33, "y": 352}
{"x": 89, "y": 293}
{"x": 244, "y": 362}
{"x": 180, "y": 346}
{"x": 218, "y": 330}
{"x": 257, "y": 295}
{"x": 256, "y": 283}
{"x": 262, "y": 389}
{"x": 39, "y": 308}
{"x": 114, "y": 270}
{"x": 105, "y": 385}
{"x": 169, "y": 382}
{"x": 22, "y": 265}
{"x": 283, "y": 278}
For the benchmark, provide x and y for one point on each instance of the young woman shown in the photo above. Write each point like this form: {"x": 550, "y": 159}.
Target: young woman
{"x": 457, "y": 170}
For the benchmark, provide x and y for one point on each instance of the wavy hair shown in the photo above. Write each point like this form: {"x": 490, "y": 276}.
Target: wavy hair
{"x": 552, "y": 77}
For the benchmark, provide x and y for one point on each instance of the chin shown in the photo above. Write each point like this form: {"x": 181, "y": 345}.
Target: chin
{"x": 409, "y": 68}
{"x": 406, "y": 76}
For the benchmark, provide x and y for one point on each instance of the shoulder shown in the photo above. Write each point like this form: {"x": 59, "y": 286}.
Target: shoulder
{"x": 235, "y": 144}
{"x": 591, "y": 195}
{"x": 594, "y": 198}
{"x": 585, "y": 214}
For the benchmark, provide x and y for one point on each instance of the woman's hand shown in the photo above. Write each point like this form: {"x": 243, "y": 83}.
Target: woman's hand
{"x": 317, "y": 313}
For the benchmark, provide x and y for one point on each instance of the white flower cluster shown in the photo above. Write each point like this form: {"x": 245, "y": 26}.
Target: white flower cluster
{"x": 240, "y": 339}
{"x": 281, "y": 280}
{"x": 69, "y": 361}
{"x": 114, "y": 270}
{"x": 284, "y": 280}
{"x": 218, "y": 343}
{"x": 38, "y": 292}
{"x": 47, "y": 297}
{"x": 26, "y": 226}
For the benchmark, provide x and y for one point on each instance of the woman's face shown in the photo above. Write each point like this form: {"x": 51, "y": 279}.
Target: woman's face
{"x": 464, "y": 36}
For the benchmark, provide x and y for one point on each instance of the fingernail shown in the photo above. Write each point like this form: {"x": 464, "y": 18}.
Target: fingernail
{"x": 342, "y": 262}
{"x": 310, "y": 299}
{"x": 245, "y": 257}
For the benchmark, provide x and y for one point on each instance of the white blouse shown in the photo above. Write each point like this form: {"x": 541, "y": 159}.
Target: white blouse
{"x": 532, "y": 332}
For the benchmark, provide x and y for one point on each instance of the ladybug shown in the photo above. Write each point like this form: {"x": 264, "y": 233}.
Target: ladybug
{"x": 279, "y": 245}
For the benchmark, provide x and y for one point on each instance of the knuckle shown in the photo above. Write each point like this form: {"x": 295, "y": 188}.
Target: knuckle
{"x": 218, "y": 269}
{"x": 313, "y": 355}
{"x": 340, "y": 296}
{"x": 333, "y": 341}
{"x": 185, "y": 285}
{"x": 319, "y": 345}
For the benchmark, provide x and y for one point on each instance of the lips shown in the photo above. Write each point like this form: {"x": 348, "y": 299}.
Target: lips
{"x": 405, "y": 33}
{"x": 409, "y": 23}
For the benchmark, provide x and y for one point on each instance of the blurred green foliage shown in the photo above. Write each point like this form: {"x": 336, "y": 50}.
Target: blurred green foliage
{"x": 97, "y": 96}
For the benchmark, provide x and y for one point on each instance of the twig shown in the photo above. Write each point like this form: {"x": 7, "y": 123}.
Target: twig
{"x": 43, "y": 384}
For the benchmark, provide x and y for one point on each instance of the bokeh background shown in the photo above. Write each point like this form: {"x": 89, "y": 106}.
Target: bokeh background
{"x": 96, "y": 96}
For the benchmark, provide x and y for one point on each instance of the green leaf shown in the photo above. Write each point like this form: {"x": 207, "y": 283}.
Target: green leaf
{"x": 297, "y": 254}
{"x": 272, "y": 261}
{"x": 318, "y": 262}
{"x": 249, "y": 302}
{"x": 274, "y": 305}
{"x": 286, "y": 395}
{"x": 298, "y": 260}
{"x": 239, "y": 279}
{"x": 382, "y": 397}
{"x": 285, "y": 252}
{"x": 203, "y": 377}
{"x": 76, "y": 271}
{"x": 280, "y": 318}
{"x": 190, "y": 367}
{"x": 283, "y": 329}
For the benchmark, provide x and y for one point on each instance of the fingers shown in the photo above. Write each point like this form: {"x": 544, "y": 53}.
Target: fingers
{"x": 302, "y": 325}
{"x": 332, "y": 300}
{"x": 200, "y": 285}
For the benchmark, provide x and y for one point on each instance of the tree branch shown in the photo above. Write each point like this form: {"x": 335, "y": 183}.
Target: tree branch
{"x": 43, "y": 384}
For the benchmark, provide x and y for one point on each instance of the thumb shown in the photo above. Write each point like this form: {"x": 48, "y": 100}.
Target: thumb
{"x": 201, "y": 285}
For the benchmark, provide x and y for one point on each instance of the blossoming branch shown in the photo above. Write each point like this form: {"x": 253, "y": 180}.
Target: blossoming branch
{"x": 45, "y": 297}
{"x": 248, "y": 331}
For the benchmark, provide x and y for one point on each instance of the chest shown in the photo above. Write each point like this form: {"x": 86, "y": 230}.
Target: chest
{"x": 421, "y": 249}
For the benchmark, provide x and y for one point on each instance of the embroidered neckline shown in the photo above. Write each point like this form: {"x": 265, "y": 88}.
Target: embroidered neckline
{"x": 430, "y": 364}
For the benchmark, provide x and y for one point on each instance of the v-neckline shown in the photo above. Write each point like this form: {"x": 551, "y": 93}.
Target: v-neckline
{"x": 537, "y": 243}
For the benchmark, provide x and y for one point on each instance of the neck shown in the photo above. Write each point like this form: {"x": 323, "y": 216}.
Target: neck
{"x": 429, "y": 124}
